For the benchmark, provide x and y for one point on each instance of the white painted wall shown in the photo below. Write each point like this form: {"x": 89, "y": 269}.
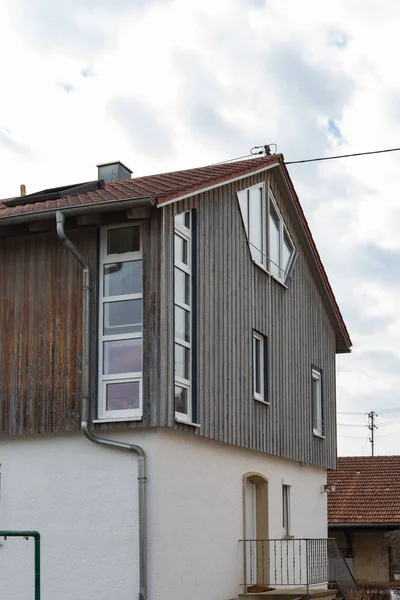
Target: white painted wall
{"x": 83, "y": 500}
{"x": 200, "y": 512}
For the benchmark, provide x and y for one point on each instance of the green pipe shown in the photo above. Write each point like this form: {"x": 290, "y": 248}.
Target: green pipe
{"x": 36, "y": 537}
{"x": 37, "y": 566}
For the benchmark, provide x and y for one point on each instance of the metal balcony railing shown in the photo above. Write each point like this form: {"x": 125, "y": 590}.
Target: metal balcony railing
{"x": 295, "y": 563}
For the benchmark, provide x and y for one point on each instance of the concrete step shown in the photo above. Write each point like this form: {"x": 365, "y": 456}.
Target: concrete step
{"x": 291, "y": 594}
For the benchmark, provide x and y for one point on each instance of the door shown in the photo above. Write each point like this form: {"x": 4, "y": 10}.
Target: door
{"x": 251, "y": 532}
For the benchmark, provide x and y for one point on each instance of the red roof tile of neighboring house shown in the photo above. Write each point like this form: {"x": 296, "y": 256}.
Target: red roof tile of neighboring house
{"x": 166, "y": 187}
{"x": 368, "y": 490}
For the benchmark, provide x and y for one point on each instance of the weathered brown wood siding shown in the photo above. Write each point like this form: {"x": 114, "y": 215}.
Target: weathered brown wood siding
{"x": 40, "y": 333}
{"x": 235, "y": 296}
{"x": 41, "y": 330}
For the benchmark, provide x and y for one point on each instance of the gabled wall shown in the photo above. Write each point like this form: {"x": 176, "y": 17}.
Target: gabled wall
{"x": 236, "y": 296}
{"x": 40, "y": 329}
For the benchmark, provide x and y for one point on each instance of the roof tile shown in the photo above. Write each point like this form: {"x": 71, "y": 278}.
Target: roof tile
{"x": 159, "y": 186}
{"x": 368, "y": 490}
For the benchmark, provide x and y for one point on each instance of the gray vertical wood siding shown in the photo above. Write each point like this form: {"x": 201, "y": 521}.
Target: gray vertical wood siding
{"x": 235, "y": 296}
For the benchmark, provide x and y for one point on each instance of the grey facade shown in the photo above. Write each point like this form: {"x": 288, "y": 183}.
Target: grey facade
{"x": 40, "y": 307}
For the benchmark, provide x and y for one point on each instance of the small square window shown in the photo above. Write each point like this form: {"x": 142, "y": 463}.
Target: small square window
{"x": 123, "y": 278}
{"x": 123, "y": 396}
{"x": 183, "y": 219}
{"x": 123, "y": 239}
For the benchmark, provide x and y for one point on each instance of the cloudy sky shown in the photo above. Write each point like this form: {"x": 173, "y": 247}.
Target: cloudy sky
{"x": 170, "y": 84}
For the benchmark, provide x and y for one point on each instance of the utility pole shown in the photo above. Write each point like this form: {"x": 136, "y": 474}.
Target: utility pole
{"x": 371, "y": 426}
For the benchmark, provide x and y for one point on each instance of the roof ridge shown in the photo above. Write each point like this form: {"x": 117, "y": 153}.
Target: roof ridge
{"x": 219, "y": 164}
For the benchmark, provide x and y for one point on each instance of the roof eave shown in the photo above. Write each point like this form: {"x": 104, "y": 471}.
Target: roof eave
{"x": 81, "y": 209}
{"x": 344, "y": 345}
{"x": 363, "y": 525}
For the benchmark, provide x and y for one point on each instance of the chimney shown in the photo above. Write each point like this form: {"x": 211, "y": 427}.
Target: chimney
{"x": 113, "y": 171}
{"x": 22, "y": 189}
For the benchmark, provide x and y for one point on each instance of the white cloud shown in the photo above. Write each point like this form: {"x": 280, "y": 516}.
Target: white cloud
{"x": 169, "y": 84}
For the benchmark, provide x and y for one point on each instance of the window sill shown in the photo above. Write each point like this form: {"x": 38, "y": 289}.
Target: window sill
{"x": 262, "y": 401}
{"x": 279, "y": 281}
{"x": 182, "y": 422}
{"x": 117, "y": 420}
{"x": 260, "y": 266}
{"x": 318, "y": 435}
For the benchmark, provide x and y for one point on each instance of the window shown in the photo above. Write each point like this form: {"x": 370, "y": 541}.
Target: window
{"x": 183, "y": 318}
{"x": 282, "y": 255}
{"x": 286, "y": 509}
{"x": 317, "y": 402}
{"x": 259, "y": 367}
{"x": 253, "y": 207}
{"x": 120, "y": 323}
{"x": 270, "y": 244}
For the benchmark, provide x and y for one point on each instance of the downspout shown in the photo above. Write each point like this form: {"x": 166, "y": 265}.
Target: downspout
{"x": 91, "y": 436}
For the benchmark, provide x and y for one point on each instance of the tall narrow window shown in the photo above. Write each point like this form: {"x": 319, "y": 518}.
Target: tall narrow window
{"x": 260, "y": 367}
{"x": 274, "y": 242}
{"x": 286, "y": 509}
{"x": 282, "y": 254}
{"x": 120, "y": 323}
{"x": 253, "y": 208}
{"x": 183, "y": 316}
{"x": 317, "y": 402}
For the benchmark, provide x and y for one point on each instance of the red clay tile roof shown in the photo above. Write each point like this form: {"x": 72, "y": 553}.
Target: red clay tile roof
{"x": 368, "y": 490}
{"x": 165, "y": 187}
{"x": 161, "y": 187}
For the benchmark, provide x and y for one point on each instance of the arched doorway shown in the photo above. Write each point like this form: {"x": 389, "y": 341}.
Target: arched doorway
{"x": 255, "y": 518}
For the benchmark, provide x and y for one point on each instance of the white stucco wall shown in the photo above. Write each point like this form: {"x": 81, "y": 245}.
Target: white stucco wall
{"x": 83, "y": 500}
{"x": 200, "y": 512}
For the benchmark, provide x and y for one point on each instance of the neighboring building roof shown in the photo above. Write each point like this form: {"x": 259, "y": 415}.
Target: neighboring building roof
{"x": 367, "y": 492}
{"x": 169, "y": 187}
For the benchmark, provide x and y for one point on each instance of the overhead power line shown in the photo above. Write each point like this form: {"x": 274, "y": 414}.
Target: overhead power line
{"x": 237, "y": 158}
{"x": 390, "y": 410}
{"x": 353, "y": 437}
{"x": 389, "y": 423}
{"x": 308, "y": 160}
{"x": 266, "y": 151}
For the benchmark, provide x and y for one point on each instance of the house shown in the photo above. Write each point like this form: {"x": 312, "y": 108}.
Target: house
{"x": 363, "y": 509}
{"x": 185, "y": 324}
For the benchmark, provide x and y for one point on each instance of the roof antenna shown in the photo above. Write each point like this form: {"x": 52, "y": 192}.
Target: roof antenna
{"x": 266, "y": 150}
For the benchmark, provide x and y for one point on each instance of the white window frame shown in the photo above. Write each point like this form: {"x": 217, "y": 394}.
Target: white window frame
{"x": 265, "y": 251}
{"x": 318, "y": 426}
{"x": 103, "y": 380}
{"x": 286, "y": 510}
{"x": 260, "y": 396}
{"x": 186, "y": 234}
{"x": 244, "y": 199}
{"x": 283, "y": 275}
